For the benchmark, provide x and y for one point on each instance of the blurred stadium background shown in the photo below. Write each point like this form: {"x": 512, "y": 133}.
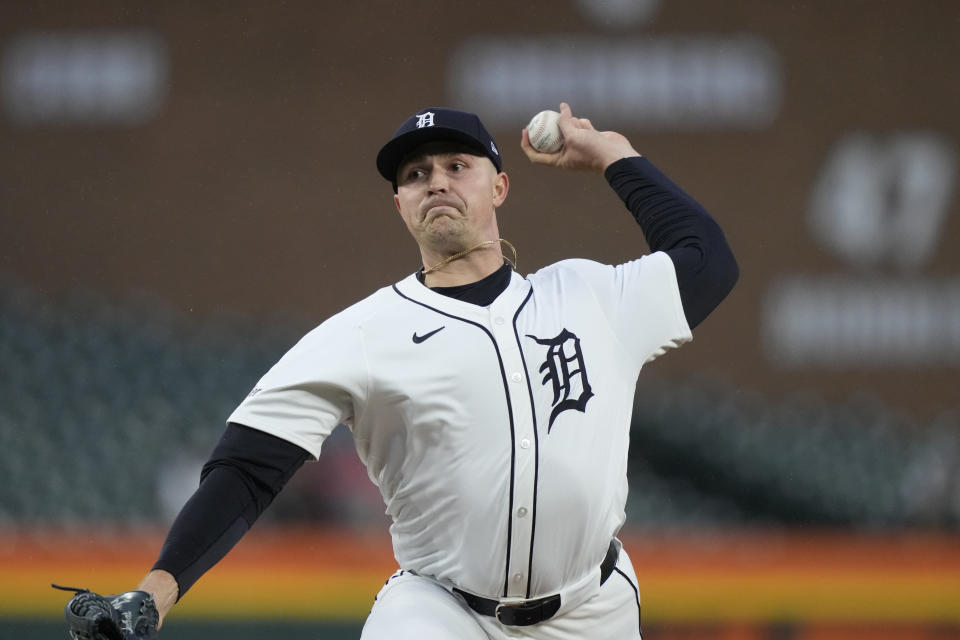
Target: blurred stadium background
{"x": 189, "y": 187}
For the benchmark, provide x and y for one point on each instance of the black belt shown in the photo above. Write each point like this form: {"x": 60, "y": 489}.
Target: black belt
{"x": 530, "y": 612}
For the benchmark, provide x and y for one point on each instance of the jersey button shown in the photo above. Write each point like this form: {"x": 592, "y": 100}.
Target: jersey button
{"x": 498, "y": 320}
{"x": 522, "y": 511}
{"x": 518, "y": 577}
{"x": 525, "y": 443}
{"x": 516, "y": 376}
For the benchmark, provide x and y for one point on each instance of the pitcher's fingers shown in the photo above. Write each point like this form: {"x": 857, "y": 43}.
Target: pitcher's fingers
{"x": 532, "y": 154}
{"x": 567, "y": 122}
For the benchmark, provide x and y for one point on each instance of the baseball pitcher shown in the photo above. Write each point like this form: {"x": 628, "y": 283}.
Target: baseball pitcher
{"x": 491, "y": 409}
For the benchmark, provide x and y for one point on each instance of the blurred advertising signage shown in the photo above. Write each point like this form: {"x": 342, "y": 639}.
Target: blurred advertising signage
{"x": 620, "y": 14}
{"x": 880, "y": 204}
{"x": 842, "y": 321}
{"x": 83, "y": 77}
{"x": 678, "y": 83}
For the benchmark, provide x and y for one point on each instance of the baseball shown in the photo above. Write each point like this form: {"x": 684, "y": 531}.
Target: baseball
{"x": 544, "y": 133}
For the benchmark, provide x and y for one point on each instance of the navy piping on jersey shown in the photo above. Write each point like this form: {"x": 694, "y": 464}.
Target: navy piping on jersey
{"x": 536, "y": 443}
{"x": 391, "y": 578}
{"x": 513, "y": 435}
{"x": 636, "y": 593}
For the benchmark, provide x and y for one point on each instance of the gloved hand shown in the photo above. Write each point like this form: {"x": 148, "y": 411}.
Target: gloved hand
{"x": 125, "y": 616}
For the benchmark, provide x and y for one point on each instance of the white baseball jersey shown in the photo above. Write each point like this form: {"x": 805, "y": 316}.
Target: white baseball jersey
{"x": 497, "y": 435}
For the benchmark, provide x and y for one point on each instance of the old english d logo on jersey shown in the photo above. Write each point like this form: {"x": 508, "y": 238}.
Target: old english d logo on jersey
{"x": 565, "y": 370}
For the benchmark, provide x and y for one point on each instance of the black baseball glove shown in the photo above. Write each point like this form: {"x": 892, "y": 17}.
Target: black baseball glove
{"x": 126, "y": 616}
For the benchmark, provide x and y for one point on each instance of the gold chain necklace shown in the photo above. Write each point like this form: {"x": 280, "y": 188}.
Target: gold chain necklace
{"x": 513, "y": 263}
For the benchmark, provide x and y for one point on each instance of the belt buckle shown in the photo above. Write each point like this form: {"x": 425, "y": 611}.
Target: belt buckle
{"x": 507, "y": 604}
{"x": 523, "y": 613}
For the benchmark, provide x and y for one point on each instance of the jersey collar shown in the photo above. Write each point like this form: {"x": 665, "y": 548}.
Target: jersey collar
{"x": 510, "y": 298}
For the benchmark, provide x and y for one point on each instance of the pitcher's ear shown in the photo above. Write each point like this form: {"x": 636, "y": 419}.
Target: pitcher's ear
{"x": 501, "y": 186}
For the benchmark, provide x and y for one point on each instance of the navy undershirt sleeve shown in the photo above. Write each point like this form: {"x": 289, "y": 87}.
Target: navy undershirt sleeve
{"x": 246, "y": 471}
{"x": 676, "y": 224}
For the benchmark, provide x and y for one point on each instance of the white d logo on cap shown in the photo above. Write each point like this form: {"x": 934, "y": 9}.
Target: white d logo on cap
{"x": 424, "y": 119}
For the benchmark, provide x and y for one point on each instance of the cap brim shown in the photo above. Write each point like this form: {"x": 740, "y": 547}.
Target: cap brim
{"x": 393, "y": 153}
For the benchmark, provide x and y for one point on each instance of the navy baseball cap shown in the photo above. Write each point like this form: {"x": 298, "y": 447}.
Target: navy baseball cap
{"x": 436, "y": 123}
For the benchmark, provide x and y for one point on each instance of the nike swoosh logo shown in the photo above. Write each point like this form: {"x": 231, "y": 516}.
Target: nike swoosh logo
{"x": 418, "y": 339}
